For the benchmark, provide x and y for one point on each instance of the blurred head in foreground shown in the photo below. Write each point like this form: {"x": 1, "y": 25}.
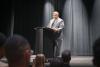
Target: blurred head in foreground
{"x": 18, "y": 51}
{"x": 66, "y": 56}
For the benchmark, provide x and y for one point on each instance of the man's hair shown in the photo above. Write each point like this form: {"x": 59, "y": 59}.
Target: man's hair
{"x": 2, "y": 39}
{"x": 56, "y": 12}
{"x": 96, "y": 52}
{"x": 66, "y": 55}
{"x": 15, "y": 47}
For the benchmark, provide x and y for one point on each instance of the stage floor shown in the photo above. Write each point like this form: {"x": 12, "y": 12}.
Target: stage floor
{"x": 79, "y": 61}
{"x": 76, "y": 61}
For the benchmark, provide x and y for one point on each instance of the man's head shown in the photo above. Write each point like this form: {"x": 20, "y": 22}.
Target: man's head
{"x": 96, "y": 53}
{"x": 17, "y": 49}
{"x": 2, "y": 41}
{"x": 55, "y": 14}
{"x": 66, "y": 56}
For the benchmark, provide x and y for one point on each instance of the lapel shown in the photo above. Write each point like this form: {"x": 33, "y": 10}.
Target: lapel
{"x": 56, "y": 23}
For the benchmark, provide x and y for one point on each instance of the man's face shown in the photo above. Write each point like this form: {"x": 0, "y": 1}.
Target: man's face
{"x": 55, "y": 15}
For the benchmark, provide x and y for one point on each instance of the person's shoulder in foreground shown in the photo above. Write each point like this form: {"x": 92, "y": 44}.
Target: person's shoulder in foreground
{"x": 2, "y": 53}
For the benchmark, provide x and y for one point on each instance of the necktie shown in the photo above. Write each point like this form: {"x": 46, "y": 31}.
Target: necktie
{"x": 53, "y": 24}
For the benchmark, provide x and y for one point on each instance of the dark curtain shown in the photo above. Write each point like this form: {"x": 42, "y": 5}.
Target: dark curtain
{"x": 5, "y": 13}
{"x": 28, "y": 15}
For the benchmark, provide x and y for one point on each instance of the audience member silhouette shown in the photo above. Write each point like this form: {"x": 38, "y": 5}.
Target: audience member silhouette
{"x": 2, "y": 41}
{"x": 63, "y": 61}
{"x": 66, "y": 57}
{"x": 2, "y": 52}
{"x": 96, "y": 53}
{"x": 17, "y": 51}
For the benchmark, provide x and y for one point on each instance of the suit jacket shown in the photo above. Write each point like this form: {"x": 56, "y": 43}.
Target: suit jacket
{"x": 58, "y": 25}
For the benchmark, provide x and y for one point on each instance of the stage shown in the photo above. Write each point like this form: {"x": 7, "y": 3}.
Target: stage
{"x": 76, "y": 61}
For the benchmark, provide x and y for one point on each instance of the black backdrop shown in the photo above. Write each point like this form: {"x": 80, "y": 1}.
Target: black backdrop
{"x": 27, "y": 14}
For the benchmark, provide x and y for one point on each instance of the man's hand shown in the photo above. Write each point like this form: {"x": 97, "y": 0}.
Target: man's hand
{"x": 55, "y": 30}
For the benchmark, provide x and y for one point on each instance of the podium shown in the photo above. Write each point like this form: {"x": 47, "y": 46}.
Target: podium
{"x": 39, "y": 40}
{"x": 40, "y": 58}
{"x": 51, "y": 34}
{"x": 45, "y": 41}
